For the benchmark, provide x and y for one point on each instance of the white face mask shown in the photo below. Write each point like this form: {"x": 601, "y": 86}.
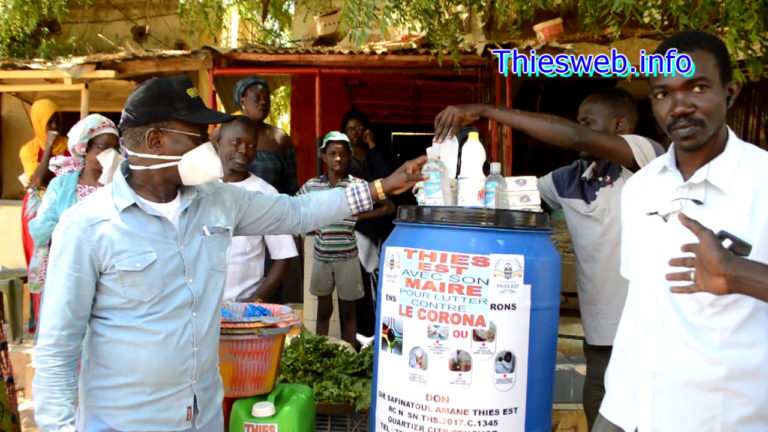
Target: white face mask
{"x": 109, "y": 159}
{"x": 197, "y": 166}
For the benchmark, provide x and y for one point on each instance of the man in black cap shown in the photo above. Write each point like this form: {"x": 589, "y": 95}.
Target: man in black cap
{"x": 136, "y": 273}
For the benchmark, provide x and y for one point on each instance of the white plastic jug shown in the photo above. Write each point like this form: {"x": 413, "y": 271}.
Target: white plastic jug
{"x": 471, "y": 183}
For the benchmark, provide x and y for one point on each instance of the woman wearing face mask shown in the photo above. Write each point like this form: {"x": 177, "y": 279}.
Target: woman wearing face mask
{"x": 93, "y": 144}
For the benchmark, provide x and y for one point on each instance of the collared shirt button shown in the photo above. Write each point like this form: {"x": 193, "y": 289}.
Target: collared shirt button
{"x": 194, "y": 349}
{"x": 138, "y": 265}
{"x": 181, "y": 247}
{"x": 194, "y": 314}
{"x": 190, "y": 281}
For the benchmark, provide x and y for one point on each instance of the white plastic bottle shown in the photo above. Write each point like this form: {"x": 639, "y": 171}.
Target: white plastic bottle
{"x": 471, "y": 182}
{"x": 495, "y": 189}
{"x": 436, "y": 186}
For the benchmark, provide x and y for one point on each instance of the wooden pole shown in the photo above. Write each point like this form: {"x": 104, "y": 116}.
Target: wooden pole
{"x": 318, "y": 123}
{"x": 203, "y": 83}
{"x": 85, "y": 101}
{"x": 20, "y": 88}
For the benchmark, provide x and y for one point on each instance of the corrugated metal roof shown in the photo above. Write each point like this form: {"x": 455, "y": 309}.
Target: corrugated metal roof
{"x": 576, "y": 43}
{"x": 382, "y": 48}
{"x": 115, "y": 57}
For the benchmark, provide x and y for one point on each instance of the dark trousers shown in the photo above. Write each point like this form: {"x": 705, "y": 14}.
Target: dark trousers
{"x": 291, "y": 290}
{"x": 604, "y": 425}
{"x": 594, "y": 384}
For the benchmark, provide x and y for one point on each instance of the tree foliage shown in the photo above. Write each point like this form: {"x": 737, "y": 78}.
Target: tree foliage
{"x": 266, "y": 22}
{"x": 26, "y": 26}
{"x": 742, "y": 23}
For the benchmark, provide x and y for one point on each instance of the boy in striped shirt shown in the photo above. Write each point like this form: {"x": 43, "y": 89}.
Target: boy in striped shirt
{"x": 335, "y": 255}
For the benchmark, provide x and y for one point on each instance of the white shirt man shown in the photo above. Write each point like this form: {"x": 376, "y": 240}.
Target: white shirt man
{"x": 694, "y": 362}
{"x": 245, "y": 273}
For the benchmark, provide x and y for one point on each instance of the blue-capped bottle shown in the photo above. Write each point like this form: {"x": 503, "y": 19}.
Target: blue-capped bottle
{"x": 436, "y": 186}
{"x": 495, "y": 193}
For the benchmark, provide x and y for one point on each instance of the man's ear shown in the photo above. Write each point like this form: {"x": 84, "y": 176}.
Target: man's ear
{"x": 153, "y": 140}
{"x": 214, "y": 137}
{"x": 732, "y": 90}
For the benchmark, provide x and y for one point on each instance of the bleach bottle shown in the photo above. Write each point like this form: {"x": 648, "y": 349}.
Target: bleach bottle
{"x": 436, "y": 186}
{"x": 471, "y": 184}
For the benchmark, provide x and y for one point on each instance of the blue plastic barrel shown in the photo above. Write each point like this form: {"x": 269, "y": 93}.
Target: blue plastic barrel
{"x": 447, "y": 380}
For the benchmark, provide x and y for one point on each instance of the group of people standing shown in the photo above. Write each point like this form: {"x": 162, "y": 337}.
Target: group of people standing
{"x": 260, "y": 267}
{"x": 658, "y": 360}
{"x": 137, "y": 270}
{"x": 58, "y": 172}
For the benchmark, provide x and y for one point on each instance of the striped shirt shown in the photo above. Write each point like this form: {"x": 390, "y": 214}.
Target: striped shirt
{"x": 336, "y": 241}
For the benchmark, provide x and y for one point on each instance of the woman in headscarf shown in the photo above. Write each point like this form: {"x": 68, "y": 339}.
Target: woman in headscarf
{"x": 46, "y": 143}
{"x": 275, "y": 160}
{"x": 275, "y": 163}
{"x": 93, "y": 144}
{"x": 34, "y": 156}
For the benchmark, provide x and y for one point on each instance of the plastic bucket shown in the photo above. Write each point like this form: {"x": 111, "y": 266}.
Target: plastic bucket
{"x": 248, "y": 364}
{"x": 548, "y": 31}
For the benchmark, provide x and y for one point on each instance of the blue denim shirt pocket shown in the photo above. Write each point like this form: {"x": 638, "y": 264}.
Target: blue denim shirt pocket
{"x": 140, "y": 278}
{"x": 216, "y": 240}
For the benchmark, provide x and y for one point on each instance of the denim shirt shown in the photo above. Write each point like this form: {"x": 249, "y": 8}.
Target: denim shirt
{"x": 140, "y": 300}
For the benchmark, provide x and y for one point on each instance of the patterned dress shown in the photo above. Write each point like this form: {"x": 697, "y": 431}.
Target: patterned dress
{"x": 37, "y": 273}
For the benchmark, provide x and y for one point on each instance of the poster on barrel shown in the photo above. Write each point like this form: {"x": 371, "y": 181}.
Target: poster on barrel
{"x": 453, "y": 342}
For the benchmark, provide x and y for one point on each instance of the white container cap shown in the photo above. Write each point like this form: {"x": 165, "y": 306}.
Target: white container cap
{"x": 495, "y": 167}
{"x": 263, "y": 409}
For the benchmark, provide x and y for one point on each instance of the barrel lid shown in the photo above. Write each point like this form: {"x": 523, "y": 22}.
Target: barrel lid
{"x": 263, "y": 409}
{"x": 476, "y": 217}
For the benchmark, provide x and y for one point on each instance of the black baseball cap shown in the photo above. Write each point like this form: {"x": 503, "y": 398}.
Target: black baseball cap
{"x": 173, "y": 98}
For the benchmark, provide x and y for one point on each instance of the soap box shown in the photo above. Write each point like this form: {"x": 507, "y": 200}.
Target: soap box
{"x": 526, "y": 208}
{"x": 522, "y": 183}
{"x": 524, "y": 198}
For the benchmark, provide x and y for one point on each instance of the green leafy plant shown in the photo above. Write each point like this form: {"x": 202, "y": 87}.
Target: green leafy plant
{"x": 336, "y": 374}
